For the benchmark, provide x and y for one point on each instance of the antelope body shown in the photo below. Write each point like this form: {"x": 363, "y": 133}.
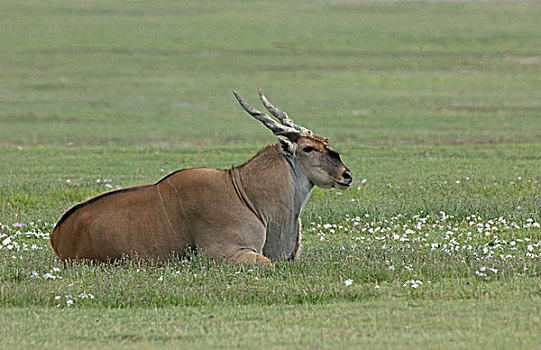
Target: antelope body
{"x": 248, "y": 213}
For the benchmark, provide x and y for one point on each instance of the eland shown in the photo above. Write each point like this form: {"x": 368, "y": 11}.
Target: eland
{"x": 249, "y": 213}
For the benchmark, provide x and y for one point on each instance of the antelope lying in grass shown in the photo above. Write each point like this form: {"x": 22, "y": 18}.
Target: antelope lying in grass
{"x": 250, "y": 213}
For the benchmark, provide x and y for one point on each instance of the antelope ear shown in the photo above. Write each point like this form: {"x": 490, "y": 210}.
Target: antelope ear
{"x": 288, "y": 148}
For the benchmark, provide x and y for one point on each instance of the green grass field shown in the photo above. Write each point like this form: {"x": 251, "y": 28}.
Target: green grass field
{"x": 435, "y": 106}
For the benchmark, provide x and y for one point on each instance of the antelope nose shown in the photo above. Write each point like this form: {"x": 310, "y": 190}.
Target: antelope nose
{"x": 347, "y": 176}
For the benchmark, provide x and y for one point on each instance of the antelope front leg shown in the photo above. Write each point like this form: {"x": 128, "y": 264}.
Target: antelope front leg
{"x": 251, "y": 258}
{"x": 297, "y": 248}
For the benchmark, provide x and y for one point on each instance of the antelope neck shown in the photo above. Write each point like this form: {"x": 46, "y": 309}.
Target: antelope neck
{"x": 239, "y": 189}
{"x": 301, "y": 184}
{"x": 278, "y": 182}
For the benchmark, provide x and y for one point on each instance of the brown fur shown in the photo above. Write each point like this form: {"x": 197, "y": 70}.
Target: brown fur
{"x": 249, "y": 213}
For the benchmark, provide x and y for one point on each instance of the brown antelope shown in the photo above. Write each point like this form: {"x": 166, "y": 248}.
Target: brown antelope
{"x": 249, "y": 213}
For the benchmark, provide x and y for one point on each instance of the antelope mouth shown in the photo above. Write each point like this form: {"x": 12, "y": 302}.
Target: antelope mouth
{"x": 342, "y": 185}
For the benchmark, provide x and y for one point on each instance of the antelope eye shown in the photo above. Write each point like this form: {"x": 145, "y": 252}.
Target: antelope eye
{"x": 308, "y": 149}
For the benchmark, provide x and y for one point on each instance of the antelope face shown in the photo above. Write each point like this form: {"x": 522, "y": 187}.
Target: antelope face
{"x": 311, "y": 153}
{"x": 321, "y": 164}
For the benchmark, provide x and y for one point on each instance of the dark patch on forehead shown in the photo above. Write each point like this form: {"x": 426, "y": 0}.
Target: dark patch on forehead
{"x": 333, "y": 154}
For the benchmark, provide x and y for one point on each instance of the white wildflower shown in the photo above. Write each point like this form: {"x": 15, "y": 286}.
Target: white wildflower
{"x": 84, "y": 295}
{"x": 413, "y": 283}
{"x": 49, "y": 275}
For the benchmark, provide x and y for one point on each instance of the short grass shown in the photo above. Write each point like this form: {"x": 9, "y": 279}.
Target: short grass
{"x": 503, "y": 323}
{"x": 434, "y": 106}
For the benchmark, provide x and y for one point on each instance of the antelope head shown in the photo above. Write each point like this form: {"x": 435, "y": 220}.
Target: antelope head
{"x": 309, "y": 153}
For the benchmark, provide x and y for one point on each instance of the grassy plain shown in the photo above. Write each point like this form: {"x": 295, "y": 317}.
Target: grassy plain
{"x": 434, "y": 106}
